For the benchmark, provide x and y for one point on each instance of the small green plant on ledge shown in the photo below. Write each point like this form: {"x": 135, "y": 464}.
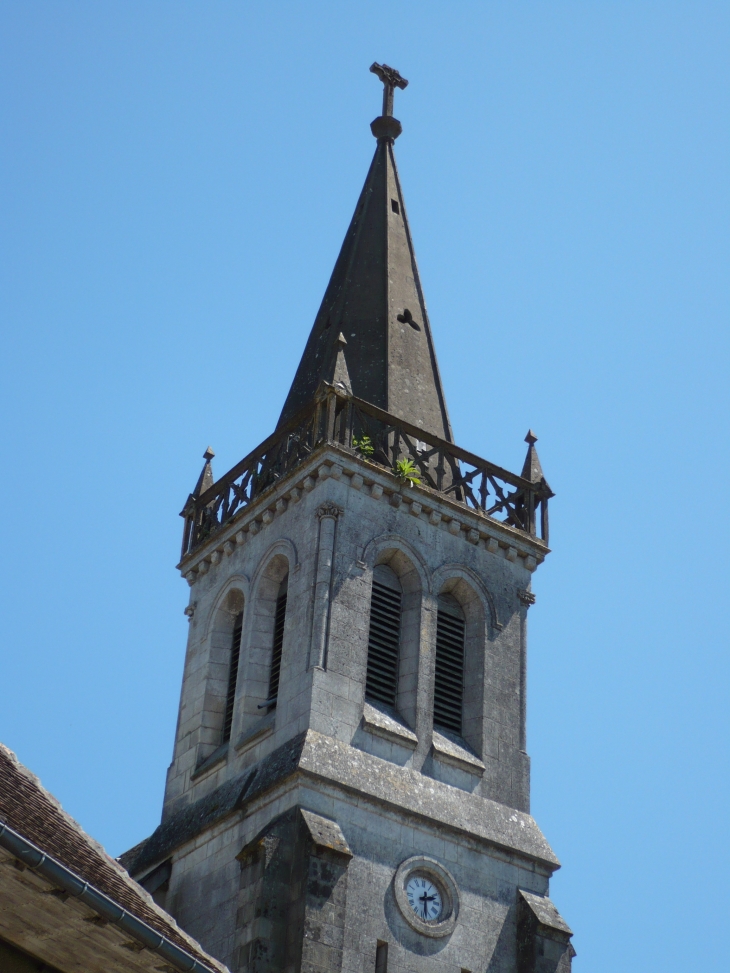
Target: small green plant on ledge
{"x": 364, "y": 445}
{"x": 406, "y": 470}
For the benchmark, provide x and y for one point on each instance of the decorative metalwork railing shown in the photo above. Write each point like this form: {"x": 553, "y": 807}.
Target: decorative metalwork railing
{"x": 339, "y": 418}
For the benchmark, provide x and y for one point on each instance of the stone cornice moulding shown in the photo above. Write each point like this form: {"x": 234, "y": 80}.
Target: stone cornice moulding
{"x": 337, "y": 768}
{"x": 410, "y": 792}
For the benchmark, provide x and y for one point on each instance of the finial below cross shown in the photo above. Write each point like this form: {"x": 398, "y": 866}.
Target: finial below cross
{"x": 391, "y": 80}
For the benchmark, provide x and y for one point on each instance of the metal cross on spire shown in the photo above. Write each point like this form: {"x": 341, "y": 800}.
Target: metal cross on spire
{"x": 391, "y": 80}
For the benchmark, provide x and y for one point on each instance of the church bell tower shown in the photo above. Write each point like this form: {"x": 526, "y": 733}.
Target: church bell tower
{"x": 350, "y": 787}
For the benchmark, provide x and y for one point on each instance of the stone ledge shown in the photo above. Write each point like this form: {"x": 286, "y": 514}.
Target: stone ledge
{"x": 448, "y": 751}
{"x": 192, "y": 819}
{"x": 260, "y": 729}
{"x": 411, "y": 793}
{"x": 218, "y": 756}
{"x": 545, "y": 912}
{"x": 326, "y": 833}
{"x": 322, "y": 758}
{"x": 381, "y": 723}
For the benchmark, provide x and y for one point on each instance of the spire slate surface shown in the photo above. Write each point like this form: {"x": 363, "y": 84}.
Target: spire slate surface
{"x": 375, "y": 300}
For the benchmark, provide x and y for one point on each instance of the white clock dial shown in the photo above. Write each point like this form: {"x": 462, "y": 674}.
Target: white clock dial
{"x": 424, "y": 898}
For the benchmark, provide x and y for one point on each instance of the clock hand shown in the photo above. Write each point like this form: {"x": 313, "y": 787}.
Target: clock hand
{"x": 425, "y": 899}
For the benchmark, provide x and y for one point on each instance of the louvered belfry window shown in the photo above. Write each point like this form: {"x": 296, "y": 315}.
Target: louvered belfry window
{"x": 279, "y": 619}
{"x": 448, "y": 693}
{"x": 384, "y": 639}
{"x": 232, "y": 676}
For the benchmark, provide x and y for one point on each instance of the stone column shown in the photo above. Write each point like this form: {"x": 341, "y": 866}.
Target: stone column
{"x": 328, "y": 514}
{"x": 526, "y": 599}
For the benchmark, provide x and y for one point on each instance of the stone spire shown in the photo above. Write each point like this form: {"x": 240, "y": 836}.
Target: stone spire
{"x": 531, "y": 469}
{"x": 205, "y": 479}
{"x": 375, "y": 300}
{"x": 339, "y": 375}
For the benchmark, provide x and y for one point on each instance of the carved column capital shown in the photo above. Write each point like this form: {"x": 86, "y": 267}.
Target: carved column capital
{"x": 526, "y": 597}
{"x": 329, "y": 510}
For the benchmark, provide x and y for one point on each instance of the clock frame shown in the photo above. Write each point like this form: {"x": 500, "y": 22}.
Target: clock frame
{"x": 432, "y": 870}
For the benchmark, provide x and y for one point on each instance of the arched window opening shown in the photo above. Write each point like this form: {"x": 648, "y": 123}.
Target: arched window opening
{"x": 278, "y": 642}
{"x": 384, "y": 639}
{"x": 448, "y": 694}
{"x": 220, "y": 675}
{"x": 232, "y": 676}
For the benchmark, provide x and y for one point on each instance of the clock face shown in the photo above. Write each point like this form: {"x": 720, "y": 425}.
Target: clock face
{"x": 424, "y": 898}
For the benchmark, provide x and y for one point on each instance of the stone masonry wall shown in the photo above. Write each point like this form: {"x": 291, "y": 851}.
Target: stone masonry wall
{"x": 328, "y": 525}
{"x": 222, "y": 898}
{"x": 432, "y": 547}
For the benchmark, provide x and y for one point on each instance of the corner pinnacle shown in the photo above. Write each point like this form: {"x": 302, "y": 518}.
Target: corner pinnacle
{"x": 205, "y": 480}
{"x": 532, "y": 470}
{"x": 340, "y": 377}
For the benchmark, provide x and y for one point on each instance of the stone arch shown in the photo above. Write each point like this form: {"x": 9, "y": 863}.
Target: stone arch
{"x": 271, "y": 578}
{"x": 472, "y": 579}
{"x": 282, "y": 546}
{"x": 228, "y": 606}
{"x": 236, "y": 583}
{"x": 378, "y": 546}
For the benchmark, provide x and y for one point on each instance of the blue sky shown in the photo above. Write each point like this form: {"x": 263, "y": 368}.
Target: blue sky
{"x": 177, "y": 180}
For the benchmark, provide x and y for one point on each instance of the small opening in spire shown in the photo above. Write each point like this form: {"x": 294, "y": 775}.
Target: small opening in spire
{"x": 395, "y": 206}
{"x": 407, "y": 318}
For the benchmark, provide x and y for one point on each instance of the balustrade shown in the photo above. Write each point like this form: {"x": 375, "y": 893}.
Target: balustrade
{"x": 339, "y": 418}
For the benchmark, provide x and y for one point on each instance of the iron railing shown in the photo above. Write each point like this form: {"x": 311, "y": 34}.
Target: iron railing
{"x": 338, "y": 418}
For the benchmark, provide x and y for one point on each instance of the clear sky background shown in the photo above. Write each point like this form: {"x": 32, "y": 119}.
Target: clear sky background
{"x": 177, "y": 179}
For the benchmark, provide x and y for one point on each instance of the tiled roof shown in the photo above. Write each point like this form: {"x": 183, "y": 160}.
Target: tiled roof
{"x": 28, "y": 808}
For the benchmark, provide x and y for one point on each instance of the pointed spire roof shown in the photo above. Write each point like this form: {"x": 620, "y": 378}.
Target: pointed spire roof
{"x": 531, "y": 469}
{"x": 205, "y": 479}
{"x": 375, "y": 301}
{"x": 338, "y": 373}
